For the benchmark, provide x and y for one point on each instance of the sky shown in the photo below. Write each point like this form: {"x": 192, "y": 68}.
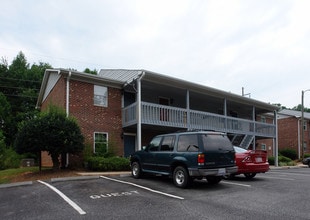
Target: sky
{"x": 262, "y": 46}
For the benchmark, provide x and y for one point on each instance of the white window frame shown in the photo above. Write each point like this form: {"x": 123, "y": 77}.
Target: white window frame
{"x": 263, "y": 147}
{"x": 97, "y": 142}
{"x": 100, "y": 96}
{"x": 263, "y": 119}
{"x": 305, "y": 125}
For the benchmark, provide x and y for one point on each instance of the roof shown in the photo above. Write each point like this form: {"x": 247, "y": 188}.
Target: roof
{"x": 293, "y": 113}
{"x": 127, "y": 76}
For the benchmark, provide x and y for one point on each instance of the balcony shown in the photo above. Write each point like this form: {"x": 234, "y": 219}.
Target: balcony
{"x": 161, "y": 115}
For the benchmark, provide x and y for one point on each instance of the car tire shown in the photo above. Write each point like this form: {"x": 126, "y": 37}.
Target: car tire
{"x": 249, "y": 175}
{"x": 214, "y": 179}
{"x": 309, "y": 164}
{"x": 136, "y": 170}
{"x": 181, "y": 177}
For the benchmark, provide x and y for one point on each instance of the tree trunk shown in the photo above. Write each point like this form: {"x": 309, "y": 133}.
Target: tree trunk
{"x": 55, "y": 159}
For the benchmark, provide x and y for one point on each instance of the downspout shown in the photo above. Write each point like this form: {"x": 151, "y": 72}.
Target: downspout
{"x": 67, "y": 107}
{"x": 276, "y": 139}
{"x": 298, "y": 134}
{"x": 67, "y": 93}
{"x": 139, "y": 130}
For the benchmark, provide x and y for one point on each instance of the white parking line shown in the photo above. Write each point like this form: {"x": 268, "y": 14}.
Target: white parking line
{"x": 142, "y": 187}
{"x": 237, "y": 184}
{"x": 73, "y": 204}
{"x": 278, "y": 178}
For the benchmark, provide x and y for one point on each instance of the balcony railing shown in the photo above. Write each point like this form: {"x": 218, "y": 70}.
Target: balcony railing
{"x": 161, "y": 115}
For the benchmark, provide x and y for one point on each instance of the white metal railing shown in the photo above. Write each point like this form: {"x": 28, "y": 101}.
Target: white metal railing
{"x": 155, "y": 114}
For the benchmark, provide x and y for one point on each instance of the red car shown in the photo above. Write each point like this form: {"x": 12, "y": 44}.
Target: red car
{"x": 251, "y": 162}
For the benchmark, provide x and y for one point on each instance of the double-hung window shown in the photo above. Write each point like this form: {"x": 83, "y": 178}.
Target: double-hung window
{"x": 100, "y": 96}
{"x": 100, "y": 143}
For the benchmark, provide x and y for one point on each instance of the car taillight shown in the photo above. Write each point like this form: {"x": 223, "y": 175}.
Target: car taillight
{"x": 201, "y": 159}
{"x": 247, "y": 159}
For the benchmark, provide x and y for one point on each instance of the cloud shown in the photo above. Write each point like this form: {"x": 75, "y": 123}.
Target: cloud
{"x": 259, "y": 45}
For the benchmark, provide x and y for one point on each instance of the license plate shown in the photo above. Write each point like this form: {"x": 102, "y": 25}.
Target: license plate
{"x": 258, "y": 159}
{"x": 221, "y": 171}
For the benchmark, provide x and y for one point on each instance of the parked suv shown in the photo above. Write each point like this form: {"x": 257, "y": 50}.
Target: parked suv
{"x": 186, "y": 156}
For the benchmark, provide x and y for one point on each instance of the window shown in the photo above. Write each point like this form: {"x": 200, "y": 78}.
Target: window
{"x": 154, "y": 145}
{"x": 263, "y": 147}
{"x": 263, "y": 119}
{"x": 167, "y": 144}
{"x": 100, "y": 143}
{"x": 305, "y": 125}
{"x": 100, "y": 96}
{"x": 188, "y": 143}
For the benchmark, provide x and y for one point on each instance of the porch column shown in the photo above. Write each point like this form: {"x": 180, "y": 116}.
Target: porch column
{"x": 254, "y": 127}
{"x": 188, "y": 110}
{"x": 139, "y": 111}
{"x": 225, "y": 113}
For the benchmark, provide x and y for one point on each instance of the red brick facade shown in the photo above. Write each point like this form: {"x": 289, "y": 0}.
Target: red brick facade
{"x": 90, "y": 118}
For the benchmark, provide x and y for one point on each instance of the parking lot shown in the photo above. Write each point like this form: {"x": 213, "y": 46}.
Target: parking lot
{"x": 278, "y": 194}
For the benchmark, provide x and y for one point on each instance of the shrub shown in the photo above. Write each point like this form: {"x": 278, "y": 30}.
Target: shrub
{"x": 271, "y": 160}
{"x": 284, "y": 159}
{"x": 9, "y": 159}
{"x": 290, "y": 153}
{"x": 108, "y": 164}
{"x": 306, "y": 155}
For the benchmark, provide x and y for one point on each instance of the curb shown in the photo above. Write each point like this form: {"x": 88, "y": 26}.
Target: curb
{"x": 60, "y": 179}
{"x": 91, "y": 175}
{"x": 287, "y": 167}
{"x": 16, "y": 184}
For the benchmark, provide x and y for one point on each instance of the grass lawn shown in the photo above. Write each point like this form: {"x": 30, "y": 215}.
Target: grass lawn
{"x": 7, "y": 175}
{"x": 33, "y": 174}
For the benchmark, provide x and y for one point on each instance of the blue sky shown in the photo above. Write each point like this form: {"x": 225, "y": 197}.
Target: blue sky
{"x": 261, "y": 45}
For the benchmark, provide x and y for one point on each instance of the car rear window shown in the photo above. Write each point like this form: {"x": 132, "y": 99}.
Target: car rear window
{"x": 216, "y": 141}
{"x": 188, "y": 142}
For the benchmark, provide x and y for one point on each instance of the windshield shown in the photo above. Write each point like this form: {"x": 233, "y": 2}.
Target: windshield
{"x": 216, "y": 141}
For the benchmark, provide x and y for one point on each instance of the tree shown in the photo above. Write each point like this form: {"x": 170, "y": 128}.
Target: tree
{"x": 53, "y": 132}
{"x": 20, "y": 84}
{"x": 5, "y": 115}
{"x": 94, "y": 72}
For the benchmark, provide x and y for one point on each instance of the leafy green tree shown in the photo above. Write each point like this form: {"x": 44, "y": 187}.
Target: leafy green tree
{"x": 53, "y": 132}
{"x": 20, "y": 83}
{"x": 94, "y": 72}
{"x": 5, "y": 116}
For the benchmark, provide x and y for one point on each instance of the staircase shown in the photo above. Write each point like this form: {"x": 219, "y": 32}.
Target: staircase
{"x": 246, "y": 141}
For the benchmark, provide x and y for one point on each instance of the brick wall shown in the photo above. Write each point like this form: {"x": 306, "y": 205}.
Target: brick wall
{"x": 89, "y": 117}
{"x": 288, "y": 133}
{"x": 93, "y": 118}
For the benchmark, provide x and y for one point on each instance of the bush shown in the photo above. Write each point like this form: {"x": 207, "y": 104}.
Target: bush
{"x": 271, "y": 160}
{"x": 290, "y": 153}
{"x": 284, "y": 159}
{"x": 306, "y": 155}
{"x": 108, "y": 164}
{"x": 9, "y": 159}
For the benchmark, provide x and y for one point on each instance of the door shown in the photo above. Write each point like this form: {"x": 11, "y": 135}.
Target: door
{"x": 129, "y": 145}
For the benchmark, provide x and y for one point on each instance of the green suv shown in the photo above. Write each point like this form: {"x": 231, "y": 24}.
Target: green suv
{"x": 186, "y": 156}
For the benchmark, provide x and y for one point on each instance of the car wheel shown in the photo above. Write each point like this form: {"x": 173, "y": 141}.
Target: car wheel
{"x": 214, "y": 179}
{"x": 249, "y": 175}
{"x": 180, "y": 177}
{"x": 136, "y": 170}
{"x": 309, "y": 164}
